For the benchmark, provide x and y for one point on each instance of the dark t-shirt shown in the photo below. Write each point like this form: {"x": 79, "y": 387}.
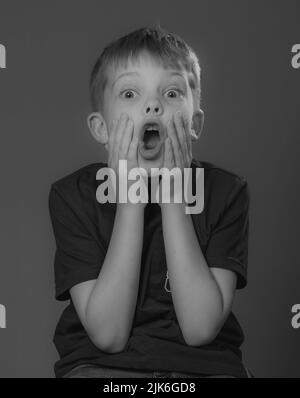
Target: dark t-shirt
{"x": 83, "y": 227}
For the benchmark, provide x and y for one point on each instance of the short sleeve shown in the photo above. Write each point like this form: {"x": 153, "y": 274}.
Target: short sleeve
{"x": 78, "y": 255}
{"x": 228, "y": 243}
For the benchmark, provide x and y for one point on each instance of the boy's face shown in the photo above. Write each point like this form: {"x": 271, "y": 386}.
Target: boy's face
{"x": 148, "y": 93}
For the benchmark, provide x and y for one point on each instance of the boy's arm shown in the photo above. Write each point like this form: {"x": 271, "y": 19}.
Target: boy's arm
{"x": 106, "y": 305}
{"x": 202, "y": 296}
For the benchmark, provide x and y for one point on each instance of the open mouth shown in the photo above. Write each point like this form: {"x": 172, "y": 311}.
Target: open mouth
{"x": 151, "y": 140}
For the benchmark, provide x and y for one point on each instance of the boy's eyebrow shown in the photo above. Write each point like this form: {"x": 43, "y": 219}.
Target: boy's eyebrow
{"x": 136, "y": 73}
{"x": 177, "y": 74}
{"x": 124, "y": 74}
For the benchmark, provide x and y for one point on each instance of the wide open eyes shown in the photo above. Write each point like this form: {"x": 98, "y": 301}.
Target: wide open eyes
{"x": 128, "y": 94}
{"x": 170, "y": 94}
{"x": 175, "y": 93}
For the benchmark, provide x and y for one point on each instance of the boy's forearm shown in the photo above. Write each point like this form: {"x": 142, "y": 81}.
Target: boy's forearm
{"x": 112, "y": 302}
{"x": 196, "y": 296}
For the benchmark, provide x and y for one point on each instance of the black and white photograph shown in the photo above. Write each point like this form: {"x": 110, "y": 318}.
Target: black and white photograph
{"x": 150, "y": 194}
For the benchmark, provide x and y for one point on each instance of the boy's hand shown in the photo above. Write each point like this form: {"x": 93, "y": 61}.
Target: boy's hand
{"x": 122, "y": 145}
{"x": 178, "y": 147}
{"x": 178, "y": 150}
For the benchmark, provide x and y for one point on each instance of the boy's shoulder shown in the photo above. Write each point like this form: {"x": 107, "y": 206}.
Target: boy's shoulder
{"x": 222, "y": 186}
{"x": 219, "y": 175}
{"x": 82, "y": 180}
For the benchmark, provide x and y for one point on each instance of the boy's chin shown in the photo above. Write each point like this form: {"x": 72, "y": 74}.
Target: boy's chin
{"x": 148, "y": 164}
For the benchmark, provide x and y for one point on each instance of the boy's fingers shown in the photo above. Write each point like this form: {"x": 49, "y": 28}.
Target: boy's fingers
{"x": 120, "y": 132}
{"x": 186, "y": 143}
{"x": 180, "y": 129}
{"x": 166, "y": 153}
{"x": 183, "y": 137}
{"x": 114, "y": 144}
{"x": 169, "y": 161}
{"x": 187, "y": 156}
{"x": 118, "y": 137}
{"x": 175, "y": 144}
{"x": 126, "y": 139}
{"x": 111, "y": 139}
{"x": 188, "y": 138}
{"x": 132, "y": 151}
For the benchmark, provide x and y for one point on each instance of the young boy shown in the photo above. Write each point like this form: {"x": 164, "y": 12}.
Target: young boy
{"x": 150, "y": 286}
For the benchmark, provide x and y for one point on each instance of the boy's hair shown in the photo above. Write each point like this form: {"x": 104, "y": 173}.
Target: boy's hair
{"x": 167, "y": 48}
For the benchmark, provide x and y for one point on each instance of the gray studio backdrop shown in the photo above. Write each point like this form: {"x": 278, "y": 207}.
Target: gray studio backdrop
{"x": 251, "y": 104}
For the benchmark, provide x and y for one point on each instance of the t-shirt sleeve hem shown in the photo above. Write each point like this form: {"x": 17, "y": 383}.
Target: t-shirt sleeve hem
{"x": 232, "y": 264}
{"x": 62, "y": 293}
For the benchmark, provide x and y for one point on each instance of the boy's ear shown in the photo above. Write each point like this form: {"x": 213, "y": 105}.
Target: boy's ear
{"x": 197, "y": 124}
{"x": 98, "y": 129}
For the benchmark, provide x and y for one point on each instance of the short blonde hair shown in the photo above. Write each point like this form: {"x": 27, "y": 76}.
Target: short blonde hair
{"x": 167, "y": 48}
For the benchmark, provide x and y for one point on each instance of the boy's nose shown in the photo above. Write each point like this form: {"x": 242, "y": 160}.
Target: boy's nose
{"x": 153, "y": 108}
